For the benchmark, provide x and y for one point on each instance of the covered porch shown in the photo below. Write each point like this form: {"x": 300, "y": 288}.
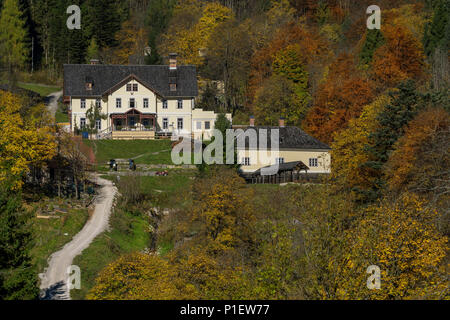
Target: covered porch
{"x": 133, "y": 120}
{"x": 133, "y": 125}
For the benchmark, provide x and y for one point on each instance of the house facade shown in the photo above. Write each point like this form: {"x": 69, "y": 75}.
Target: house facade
{"x": 136, "y": 102}
{"x": 294, "y": 146}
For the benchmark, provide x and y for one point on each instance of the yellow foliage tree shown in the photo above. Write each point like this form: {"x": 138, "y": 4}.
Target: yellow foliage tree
{"x": 23, "y": 140}
{"x": 348, "y": 152}
{"x": 403, "y": 241}
{"x": 188, "y": 42}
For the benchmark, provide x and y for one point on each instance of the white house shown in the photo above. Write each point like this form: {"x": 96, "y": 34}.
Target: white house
{"x": 139, "y": 102}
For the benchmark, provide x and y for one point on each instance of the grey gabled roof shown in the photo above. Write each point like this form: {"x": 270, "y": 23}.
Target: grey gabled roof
{"x": 106, "y": 77}
{"x": 290, "y": 138}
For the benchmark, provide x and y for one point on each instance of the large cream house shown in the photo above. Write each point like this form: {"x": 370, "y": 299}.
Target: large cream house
{"x": 138, "y": 102}
{"x": 294, "y": 146}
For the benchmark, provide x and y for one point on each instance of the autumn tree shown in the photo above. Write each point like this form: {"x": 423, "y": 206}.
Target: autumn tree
{"x": 132, "y": 41}
{"x": 22, "y": 141}
{"x": 349, "y": 151}
{"x": 420, "y": 162}
{"x": 13, "y": 38}
{"x": 403, "y": 241}
{"x": 399, "y": 59}
{"x": 338, "y": 100}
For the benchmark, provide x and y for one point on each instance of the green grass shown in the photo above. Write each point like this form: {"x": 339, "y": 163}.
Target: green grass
{"x": 129, "y": 233}
{"x": 43, "y": 90}
{"x": 61, "y": 116}
{"x": 49, "y": 234}
{"x": 106, "y": 150}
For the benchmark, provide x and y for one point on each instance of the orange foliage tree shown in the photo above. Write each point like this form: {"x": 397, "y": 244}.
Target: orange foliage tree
{"x": 338, "y": 100}
{"x": 399, "y": 59}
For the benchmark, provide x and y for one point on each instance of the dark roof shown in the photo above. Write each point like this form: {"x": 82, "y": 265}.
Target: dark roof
{"x": 290, "y": 138}
{"x": 106, "y": 77}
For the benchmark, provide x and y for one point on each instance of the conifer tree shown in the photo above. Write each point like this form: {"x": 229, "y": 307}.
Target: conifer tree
{"x": 18, "y": 279}
{"x": 406, "y": 102}
{"x": 374, "y": 40}
{"x": 13, "y": 36}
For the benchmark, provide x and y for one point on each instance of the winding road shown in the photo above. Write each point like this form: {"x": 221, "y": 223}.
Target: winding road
{"x": 54, "y": 279}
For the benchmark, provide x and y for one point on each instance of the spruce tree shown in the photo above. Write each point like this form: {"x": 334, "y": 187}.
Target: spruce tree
{"x": 437, "y": 32}
{"x": 18, "y": 280}
{"x": 406, "y": 102}
{"x": 374, "y": 39}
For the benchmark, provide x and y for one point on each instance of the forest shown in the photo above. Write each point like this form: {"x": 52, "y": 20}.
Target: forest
{"x": 379, "y": 98}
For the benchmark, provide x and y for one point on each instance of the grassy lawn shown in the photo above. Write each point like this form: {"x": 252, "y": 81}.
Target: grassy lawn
{"x": 50, "y": 234}
{"x": 106, "y": 150}
{"x": 129, "y": 233}
{"x": 61, "y": 116}
{"x": 43, "y": 90}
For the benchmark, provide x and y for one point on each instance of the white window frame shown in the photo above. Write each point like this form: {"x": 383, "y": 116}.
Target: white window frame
{"x": 118, "y": 103}
{"x": 180, "y": 104}
{"x": 135, "y": 87}
{"x": 280, "y": 160}
{"x": 134, "y": 103}
{"x": 82, "y": 123}
{"x": 98, "y": 103}
{"x": 98, "y": 124}
{"x": 207, "y": 127}
{"x": 165, "y": 104}
{"x": 165, "y": 123}
{"x": 146, "y": 104}
{"x": 246, "y": 161}
{"x": 129, "y": 87}
{"x": 199, "y": 125}
{"x": 313, "y": 162}
{"x": 83, "y": 104}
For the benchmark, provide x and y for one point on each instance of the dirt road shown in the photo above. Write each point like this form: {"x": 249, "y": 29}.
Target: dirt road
{"x": 54, "y": 280}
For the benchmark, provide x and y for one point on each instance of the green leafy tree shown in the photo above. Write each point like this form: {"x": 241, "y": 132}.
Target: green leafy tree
{"x": 93, "y": 114}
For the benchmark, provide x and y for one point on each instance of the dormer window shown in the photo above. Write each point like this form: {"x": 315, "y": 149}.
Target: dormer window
{"x": 173, "y": 87}
{"x": 89, "y": 83}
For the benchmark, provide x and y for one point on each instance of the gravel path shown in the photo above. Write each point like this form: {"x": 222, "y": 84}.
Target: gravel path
{"x": 52, "y": 102}
{"x": 53, "y": 281}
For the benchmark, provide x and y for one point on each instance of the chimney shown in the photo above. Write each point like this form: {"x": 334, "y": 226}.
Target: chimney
{"x": 281, "y": 122}
{"x": 252, "y": 121}
{"x": 173, "y": 61}
{"x": 95, "y": 61}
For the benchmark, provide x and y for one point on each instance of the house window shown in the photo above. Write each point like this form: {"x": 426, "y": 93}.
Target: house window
{"x": 207, "y": 125}
{"x": 98, "y": 124}
{"x": 83, "y": 103}
{"x": 132, "y": 121}
{"x": 135, "y": 87}
{"x": 132, "y": 103}
{"x": 180, "y": 104}
{"x": 146, "y": 123}
{"x": 118, "y": 103}
{"x": 180, "y": 123}
{"x": 246, "y": 161}
{"x": 165, "y": 124}
{"x": 165, "y": 104}
{"x": 313, "y": 162}
{"x": 145, "y": 103}
{"x": 98, "y": 103}
{"x": 82, "y": 123}
{"x": 129, "y": 87}
{"x": 199, "y": 125}
{"x": 280, "y": 160}
{"x": 173, "y": 87}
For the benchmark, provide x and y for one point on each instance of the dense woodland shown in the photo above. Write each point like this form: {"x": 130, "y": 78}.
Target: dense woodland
{"x": 379, "y": 98}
